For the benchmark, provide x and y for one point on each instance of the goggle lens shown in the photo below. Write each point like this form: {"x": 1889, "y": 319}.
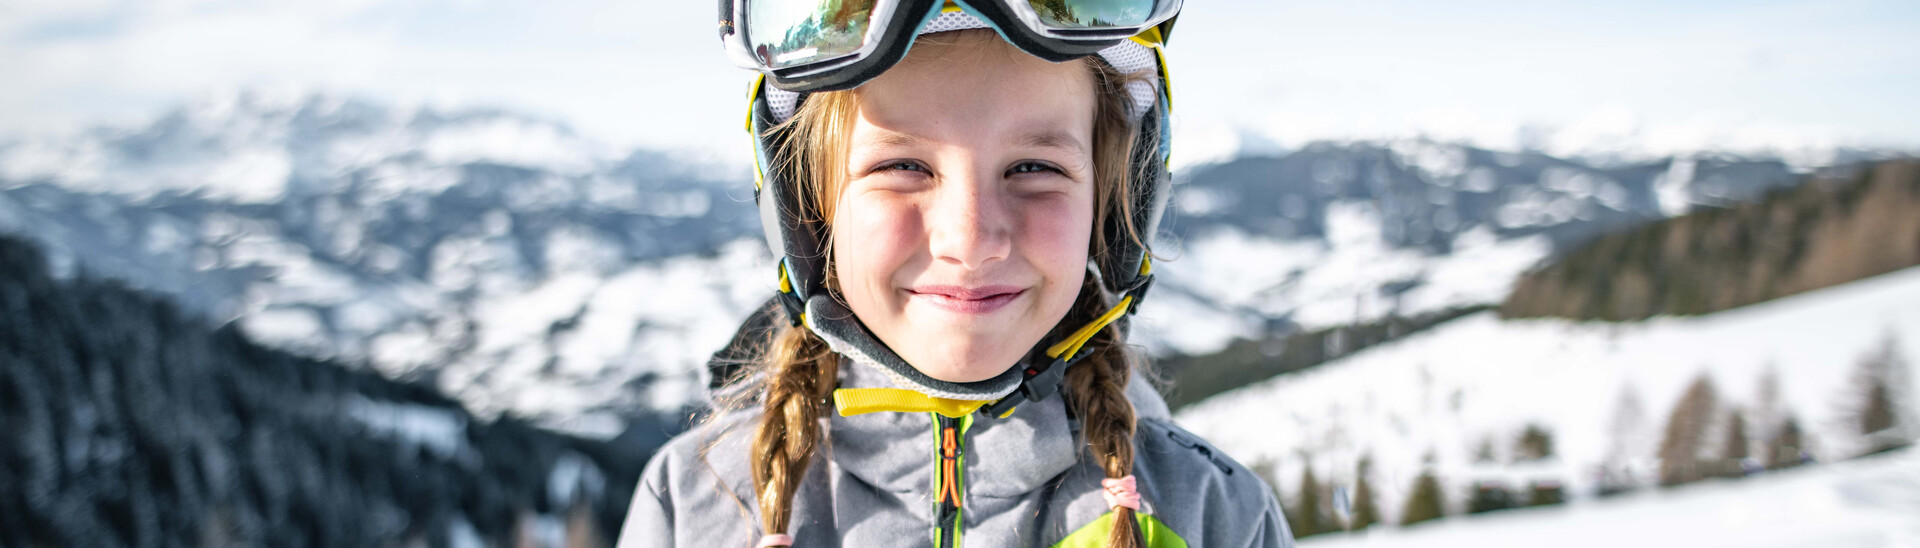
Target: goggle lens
{"x": 787, "y": 33}
{"x": 1089, "y": 14}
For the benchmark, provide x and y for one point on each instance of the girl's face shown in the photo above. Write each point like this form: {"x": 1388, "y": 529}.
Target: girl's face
{"x": 961, "y": 235}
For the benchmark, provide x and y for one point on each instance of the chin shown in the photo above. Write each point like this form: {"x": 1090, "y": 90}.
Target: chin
{"x": 970, "y": 362}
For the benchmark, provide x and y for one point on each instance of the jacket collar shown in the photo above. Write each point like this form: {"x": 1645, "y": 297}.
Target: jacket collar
{"x": 1009, "y": 456}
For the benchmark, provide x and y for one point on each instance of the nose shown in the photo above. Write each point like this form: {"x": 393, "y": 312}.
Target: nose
{"x": 969, "y": 221}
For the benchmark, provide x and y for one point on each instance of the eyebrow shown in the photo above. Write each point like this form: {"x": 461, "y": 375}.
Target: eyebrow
{"x": 890, "y": 138}
{"x": 1052, "y": 138}
{"x": 1049, "y": 138}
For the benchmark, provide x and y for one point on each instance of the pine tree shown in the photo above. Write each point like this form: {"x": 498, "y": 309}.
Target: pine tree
{"x": 1545, "y": 493}
{"x": 1785, "y": 449}
{"x": 1686, "y": 429}
{"x": 1425, "y": 502}
{"x": 1734, "y": 450}
{"x": 1535, "y": 443}
{"x": 1879, "y": 383}
{"x": 1307, "y": 518}
{"x": 1489, "y": 496}
{"x": 1365, "y": 510}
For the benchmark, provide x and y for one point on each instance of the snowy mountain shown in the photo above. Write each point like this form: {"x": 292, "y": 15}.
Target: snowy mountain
{"x": 525, "y": 268}
{"x": 1434, "y": 400}
{"x": 515, "y": 262}
{"x": 1334, "y": 234}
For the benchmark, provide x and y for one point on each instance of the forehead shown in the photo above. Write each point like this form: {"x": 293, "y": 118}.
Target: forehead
{"x": 969, "y": 89}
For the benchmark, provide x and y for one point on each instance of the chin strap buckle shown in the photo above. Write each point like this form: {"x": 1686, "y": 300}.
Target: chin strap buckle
{"x": 1037, "y": 384}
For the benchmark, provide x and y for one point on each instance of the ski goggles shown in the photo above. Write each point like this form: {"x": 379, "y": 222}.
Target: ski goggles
{"x": 824, "y": 45}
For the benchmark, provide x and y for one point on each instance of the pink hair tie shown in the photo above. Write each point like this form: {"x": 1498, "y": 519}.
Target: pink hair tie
{"x": 1121, "y": 492}
{"x": 770, "y": 541}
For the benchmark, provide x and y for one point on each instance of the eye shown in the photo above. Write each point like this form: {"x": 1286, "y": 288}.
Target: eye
{"x": 900, "y": 165}
{"x": 1033, "y": 166}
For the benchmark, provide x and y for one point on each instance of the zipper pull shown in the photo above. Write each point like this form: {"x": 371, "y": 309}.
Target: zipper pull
{"x": 949, "y": 488}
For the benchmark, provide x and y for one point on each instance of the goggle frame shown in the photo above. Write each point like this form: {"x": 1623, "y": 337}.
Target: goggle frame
{"x": 894, "y": 24}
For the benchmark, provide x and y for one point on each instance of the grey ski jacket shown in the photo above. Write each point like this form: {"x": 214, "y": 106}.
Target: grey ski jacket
{"x": 1024, "y": 481}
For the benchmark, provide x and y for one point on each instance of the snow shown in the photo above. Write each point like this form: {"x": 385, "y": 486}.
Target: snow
{"x": 462, "y": 534}
{"x": 250, "y": 175}
{"x": 1478, "y": 378}
{"x": 564, "y": 348}
{"x": 509, "y": 141}
{"x": 443, "y": 431}
{"x": 1869, "y": 502}
{"x": 573, "y": 476}
{"x": 1224, "y": 283}
{"x": 251, "y": 146}
{"x": 284, "y": 327}
{"x": 1671, "y": 187}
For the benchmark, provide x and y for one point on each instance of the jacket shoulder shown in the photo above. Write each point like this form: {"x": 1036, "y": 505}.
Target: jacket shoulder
{"x": 1203, "y": 494}
{"x": 693, "y": 491}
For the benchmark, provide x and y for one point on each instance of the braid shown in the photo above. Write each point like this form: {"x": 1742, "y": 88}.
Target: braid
{"x": 801, "y": 372}
{"x": 1096, "y": 390}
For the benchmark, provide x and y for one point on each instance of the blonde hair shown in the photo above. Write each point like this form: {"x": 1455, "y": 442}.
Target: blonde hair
{"x": 799, "y": 370}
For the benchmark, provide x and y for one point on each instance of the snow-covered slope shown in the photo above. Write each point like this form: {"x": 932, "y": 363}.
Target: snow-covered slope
{"x": 1872, "y": 502}
{"x": 1443, "y": 391}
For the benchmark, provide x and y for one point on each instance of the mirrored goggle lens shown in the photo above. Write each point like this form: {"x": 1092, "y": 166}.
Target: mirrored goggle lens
{"x": 1090, "y": 14}
{"x": 788, "y": 33}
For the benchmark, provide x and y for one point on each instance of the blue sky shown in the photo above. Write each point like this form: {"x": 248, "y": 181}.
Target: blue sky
{"x": 1659, "y": 76}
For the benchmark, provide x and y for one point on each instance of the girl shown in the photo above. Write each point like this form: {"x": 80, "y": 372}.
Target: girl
{"x": 961, "y": 195}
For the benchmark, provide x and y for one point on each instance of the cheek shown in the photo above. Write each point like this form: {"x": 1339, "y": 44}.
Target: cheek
{"x": 873, "y": 239}
{"x": 1057, "y": 234}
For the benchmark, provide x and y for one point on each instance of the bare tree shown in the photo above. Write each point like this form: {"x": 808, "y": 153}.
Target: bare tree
{"x": 1766, "y": 415}
{"x": 1686, "y": 433}
{"x": 1627, "y": 428}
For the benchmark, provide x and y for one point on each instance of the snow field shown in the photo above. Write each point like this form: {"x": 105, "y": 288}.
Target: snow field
{"x": 1443, "y": 391}
{"x": 1870, "y": 502}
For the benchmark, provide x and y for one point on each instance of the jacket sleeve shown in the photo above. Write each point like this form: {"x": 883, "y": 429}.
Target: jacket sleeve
{"x": 650, "y": 517}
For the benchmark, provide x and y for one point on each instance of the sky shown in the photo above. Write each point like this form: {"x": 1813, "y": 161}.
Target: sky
{"x": 1656, "y": 76}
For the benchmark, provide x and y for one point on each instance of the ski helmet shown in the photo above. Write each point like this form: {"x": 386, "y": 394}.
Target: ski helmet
{"x": 840, "y": 44}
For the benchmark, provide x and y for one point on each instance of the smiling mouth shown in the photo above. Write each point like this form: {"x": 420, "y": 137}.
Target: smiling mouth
{"x": 979, "y": 300}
